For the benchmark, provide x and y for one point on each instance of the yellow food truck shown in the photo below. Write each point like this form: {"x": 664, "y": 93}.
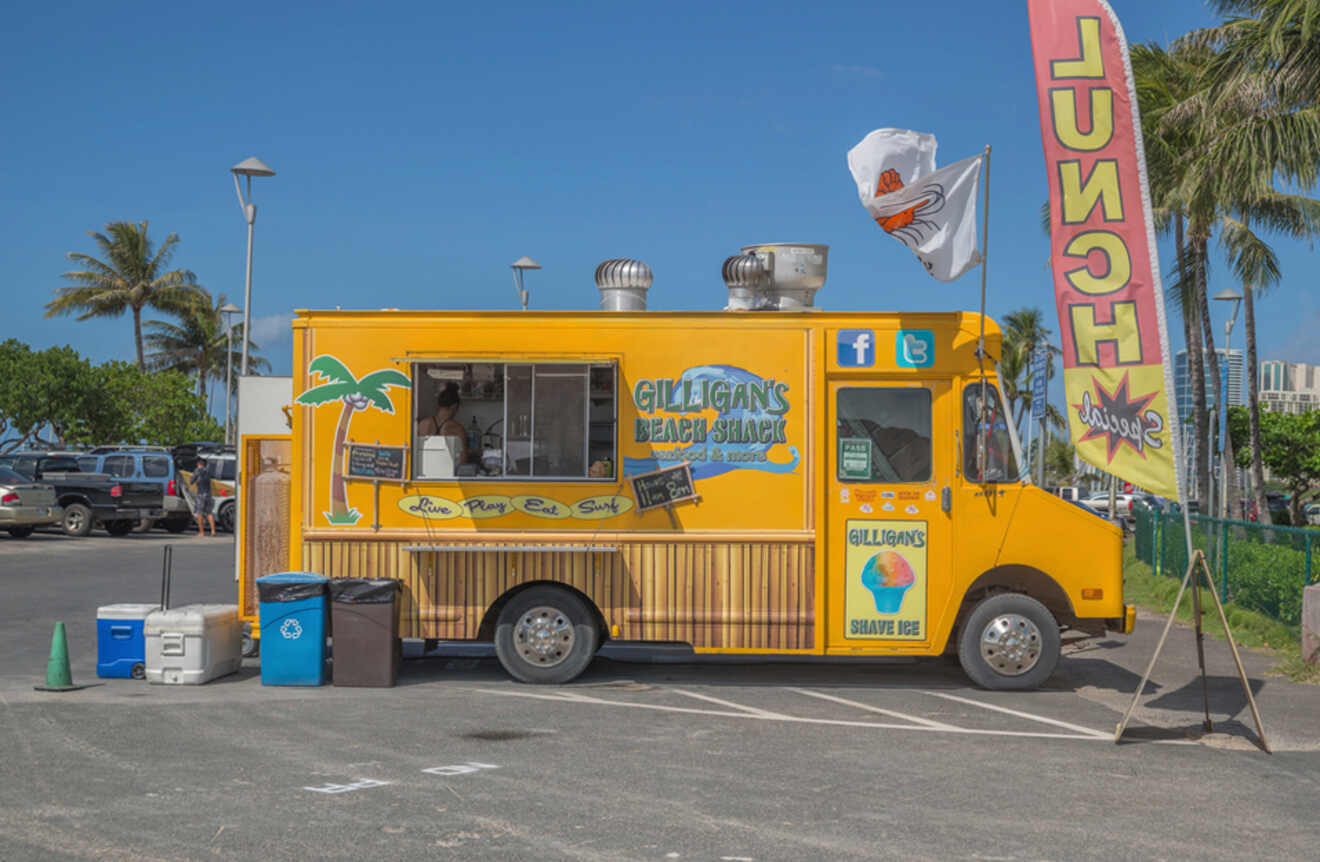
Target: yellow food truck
{"x": 769, "y": 479}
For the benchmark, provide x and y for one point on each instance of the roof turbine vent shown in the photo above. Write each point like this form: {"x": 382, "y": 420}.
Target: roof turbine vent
{"x": 623, "y": 283}
{"x": 746, "y": 278}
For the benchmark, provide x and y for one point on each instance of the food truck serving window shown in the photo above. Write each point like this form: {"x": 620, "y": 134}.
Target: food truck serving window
{"x": 883, "y": 435}
{"x": 490, "y": 420}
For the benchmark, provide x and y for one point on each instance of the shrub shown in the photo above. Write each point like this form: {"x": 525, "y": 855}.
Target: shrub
{"x": 1267, "y": 578}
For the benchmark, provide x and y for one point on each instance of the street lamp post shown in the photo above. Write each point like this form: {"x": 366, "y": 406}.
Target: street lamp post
{"x": 229, "y": 309}
{"x": 522, "y": 263}
{"x": 1228, "y": 294}
{"x": 249, "y": 168}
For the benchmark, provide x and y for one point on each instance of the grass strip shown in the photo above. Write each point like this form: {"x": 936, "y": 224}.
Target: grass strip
{"x": 1156, "y": 593}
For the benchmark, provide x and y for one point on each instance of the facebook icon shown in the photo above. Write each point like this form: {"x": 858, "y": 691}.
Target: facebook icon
{"x": 856, "y": 348}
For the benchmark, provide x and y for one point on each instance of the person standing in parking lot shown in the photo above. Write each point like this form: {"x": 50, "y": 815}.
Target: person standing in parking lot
{"x": 201, "y": 481}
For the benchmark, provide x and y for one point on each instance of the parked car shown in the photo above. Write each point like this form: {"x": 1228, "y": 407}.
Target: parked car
{"x": 1149, "y": 502}
{"x": 26, "y": 505}
{"x": 1312, "y": 513}
{"x": 89, "y": 499}
{"x": 1279, "y": 512}
{"x": 145, "y": 464}
{"x": 1122, "y": 504}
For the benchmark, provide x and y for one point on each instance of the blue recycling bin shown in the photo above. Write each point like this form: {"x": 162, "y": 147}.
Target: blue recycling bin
{"x": 294, "y": 617}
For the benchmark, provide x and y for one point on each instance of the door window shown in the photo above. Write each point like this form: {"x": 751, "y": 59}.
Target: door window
{"x": 884, "y": 435}
{"x": 992, "y": 429}
{"x": 118, "y": 465}
{"x": 156, "y": 466}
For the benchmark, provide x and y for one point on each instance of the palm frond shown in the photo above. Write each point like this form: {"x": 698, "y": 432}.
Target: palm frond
{"x": 325, "y": 393}
{"x": 331, "y": 369}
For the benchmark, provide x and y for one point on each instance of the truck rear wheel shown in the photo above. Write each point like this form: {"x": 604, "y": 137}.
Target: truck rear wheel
{"x": 77, "y": 519}
{"x": 1010, "y": 641}
{"x": 545, "y": 635}
{"x": 119, "y": 528}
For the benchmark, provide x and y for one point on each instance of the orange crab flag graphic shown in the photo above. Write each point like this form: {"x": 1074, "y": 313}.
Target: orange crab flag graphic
{"x": 932, "y": 212}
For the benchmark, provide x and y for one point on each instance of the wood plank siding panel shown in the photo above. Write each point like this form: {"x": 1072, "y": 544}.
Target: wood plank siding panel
{"x": 728, "y": 595}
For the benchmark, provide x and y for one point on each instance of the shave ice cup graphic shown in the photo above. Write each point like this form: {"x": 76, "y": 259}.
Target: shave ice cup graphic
{"x": 888, "y": 576}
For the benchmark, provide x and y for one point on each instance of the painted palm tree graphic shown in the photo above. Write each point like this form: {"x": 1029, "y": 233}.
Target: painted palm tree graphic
{"x": 356, "y": 394}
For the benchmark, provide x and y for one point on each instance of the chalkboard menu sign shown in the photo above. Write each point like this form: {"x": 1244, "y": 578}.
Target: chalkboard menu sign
{"x": 663, "y": 487}
{"x": 375, "y": 462}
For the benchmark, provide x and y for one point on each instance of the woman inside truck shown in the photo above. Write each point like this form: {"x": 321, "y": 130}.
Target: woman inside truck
{"x": 441, "y": 423}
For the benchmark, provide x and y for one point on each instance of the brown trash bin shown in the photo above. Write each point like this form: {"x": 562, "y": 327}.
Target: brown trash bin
{"x": 365, "y": 631}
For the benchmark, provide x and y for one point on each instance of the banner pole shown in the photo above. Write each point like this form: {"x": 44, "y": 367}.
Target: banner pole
{"x": 982, "y": 440}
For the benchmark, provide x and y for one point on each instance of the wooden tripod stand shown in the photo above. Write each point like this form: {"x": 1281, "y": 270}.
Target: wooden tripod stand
{"x": 1197, "y": 568}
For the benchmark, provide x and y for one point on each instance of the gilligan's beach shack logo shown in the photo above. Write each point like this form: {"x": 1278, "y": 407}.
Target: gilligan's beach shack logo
{"x": 718, "y": 418}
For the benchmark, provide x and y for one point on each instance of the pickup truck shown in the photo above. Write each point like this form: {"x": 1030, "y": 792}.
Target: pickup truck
{"x": 90, "y": 499}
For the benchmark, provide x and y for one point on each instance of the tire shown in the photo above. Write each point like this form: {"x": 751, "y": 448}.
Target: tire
{"x": 21, "y": 532}
{"x": 545, "y": 636}
{"x": 224, "y": 519}
{"x": 119, "y": 528}
{"x": 177, "y": 525}
{"x": 1009, "y": 642}
{"x": 77, "y": 520}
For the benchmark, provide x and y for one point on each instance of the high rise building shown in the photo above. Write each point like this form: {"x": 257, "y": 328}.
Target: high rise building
{"x": 1289, "y": 387}
{"x": 1229, "y": 360}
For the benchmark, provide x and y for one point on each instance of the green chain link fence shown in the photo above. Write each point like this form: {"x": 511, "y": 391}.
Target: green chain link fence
{"x": 1256, "y": 566}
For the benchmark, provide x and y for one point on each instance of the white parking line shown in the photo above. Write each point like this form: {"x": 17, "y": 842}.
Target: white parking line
{"x": 751, "y": 710}
{"x": 1087, "y": 736}
{"x": 889, "y": 712}
{"x": 1019, "y": 714}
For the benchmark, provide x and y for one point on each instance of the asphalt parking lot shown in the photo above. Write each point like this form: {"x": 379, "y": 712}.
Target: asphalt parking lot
{"x": 648, "y": 756}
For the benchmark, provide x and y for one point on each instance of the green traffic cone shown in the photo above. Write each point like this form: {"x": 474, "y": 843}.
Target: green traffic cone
{"x": 59, "y": 676}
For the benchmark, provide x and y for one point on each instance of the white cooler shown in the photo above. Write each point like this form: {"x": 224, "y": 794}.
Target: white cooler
{"x": 192, "y": 644}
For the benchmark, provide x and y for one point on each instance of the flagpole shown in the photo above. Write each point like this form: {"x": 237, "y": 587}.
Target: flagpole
{"x": 982, "y": 440}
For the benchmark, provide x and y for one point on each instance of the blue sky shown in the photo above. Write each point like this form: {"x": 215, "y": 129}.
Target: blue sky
{"x": 423, "y": 147}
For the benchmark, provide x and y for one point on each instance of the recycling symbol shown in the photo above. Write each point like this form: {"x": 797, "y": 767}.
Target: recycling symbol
{"x": 291, "y": 629}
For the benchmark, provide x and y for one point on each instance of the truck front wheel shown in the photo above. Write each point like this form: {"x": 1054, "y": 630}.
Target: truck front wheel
{"x": 1010, "y": 641}
{"x": 545, "y": 635}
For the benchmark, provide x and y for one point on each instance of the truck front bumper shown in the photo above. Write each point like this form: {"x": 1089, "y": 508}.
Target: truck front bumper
{"x": 1124, "y": 624}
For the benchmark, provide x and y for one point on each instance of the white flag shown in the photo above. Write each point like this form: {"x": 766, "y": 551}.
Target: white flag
{"x": 932, "y": 212}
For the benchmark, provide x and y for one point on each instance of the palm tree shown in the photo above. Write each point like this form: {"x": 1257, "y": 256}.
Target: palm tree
{"x": 1167, "y": 82}
{"x": 130, "y": 278}
{"x": 1059, "y": 461}
{"x": 197, "y": 344}
{"x": 356, "y": 395}
{"x": 1259, "y": 117}
{"x": 1024, "y": 332}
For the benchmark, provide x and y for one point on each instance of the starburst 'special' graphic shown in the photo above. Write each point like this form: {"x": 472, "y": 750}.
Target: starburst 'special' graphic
{"x": 1120, "y": 419}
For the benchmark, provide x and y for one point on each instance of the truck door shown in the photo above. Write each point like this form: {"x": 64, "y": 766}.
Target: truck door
{"x": 888, "y": 542}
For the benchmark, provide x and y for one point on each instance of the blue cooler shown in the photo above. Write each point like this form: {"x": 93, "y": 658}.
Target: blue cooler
{"x": 121, "y": 648}
{"x": 294, "y": 620}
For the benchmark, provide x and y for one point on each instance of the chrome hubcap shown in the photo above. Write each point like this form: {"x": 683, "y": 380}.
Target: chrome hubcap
{"x": 74, "y": 520}
{"x": 544, "y": 636}
{"x": 1011, "y": 644}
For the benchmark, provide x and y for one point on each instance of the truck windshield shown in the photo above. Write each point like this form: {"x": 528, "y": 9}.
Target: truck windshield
{"x": 986, "y": 422}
